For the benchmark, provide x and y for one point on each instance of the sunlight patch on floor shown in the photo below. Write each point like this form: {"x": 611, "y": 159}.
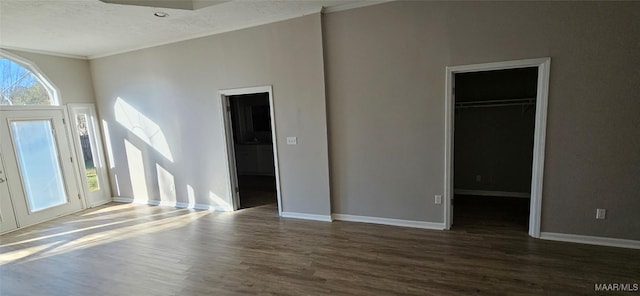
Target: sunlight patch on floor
{"x": 108, "y": 209}
{"x": 97, "y": 238}
{"x": 11, "y": 256}
{"x": 87, "y": 228}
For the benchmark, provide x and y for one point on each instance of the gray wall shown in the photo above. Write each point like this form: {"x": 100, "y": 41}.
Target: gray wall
{"x": 176, "y": 87}
{"x": 72, "y": 77}
{"x": 385, "y": 68}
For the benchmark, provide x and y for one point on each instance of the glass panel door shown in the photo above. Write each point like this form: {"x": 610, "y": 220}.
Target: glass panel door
{"x": 38, "y": 164}
{"x": 86, "y": 149}
{"x": 90, "y": 155}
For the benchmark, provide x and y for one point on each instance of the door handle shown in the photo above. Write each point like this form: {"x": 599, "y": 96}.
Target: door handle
{"x": 2, "y": 180}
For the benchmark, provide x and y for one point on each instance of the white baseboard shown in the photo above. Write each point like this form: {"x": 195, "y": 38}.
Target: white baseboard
{"x": 491, "y": 193}
{"x": 591, "y": 240}
{"x": 387, "y": 221}
{"x": 122, "y": 199}
{"x": 170, "y": 204}
{"x": 325, "y": 218}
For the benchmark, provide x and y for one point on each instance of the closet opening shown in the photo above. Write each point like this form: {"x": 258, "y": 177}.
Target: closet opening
{"x": 454, "y": 98}
{"x": 493, "y": 136}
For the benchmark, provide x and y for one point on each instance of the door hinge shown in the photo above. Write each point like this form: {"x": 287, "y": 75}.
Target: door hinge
{"x": 228, "y": 108}
{"x": 71, "y": 158}
{"x": 79, "y": 196}
{"x": 64, "y": 121}
{"x": 237, "y": 190}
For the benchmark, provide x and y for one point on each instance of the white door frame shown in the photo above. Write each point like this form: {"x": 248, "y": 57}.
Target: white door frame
{"x": 70, "y": 176}
{"x": 8, "y": 221}
{"x": 543, "y": 65}
{"x": 232, "y": 174}
{"x": 103, "y": 195}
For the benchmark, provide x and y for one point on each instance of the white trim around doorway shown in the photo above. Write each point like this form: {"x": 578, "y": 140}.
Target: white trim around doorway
{"x": 230, "y": 158}
{"x": 543, "y": 65}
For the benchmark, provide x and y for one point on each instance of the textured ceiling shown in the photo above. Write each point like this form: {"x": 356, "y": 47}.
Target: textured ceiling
{"x": 179, "y": 4}
{"x": 91, "y": 28}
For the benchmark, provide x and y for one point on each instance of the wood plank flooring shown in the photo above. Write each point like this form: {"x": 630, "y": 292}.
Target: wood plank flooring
{"x": 491, "y": 212}
{"x": 127, "y": 249}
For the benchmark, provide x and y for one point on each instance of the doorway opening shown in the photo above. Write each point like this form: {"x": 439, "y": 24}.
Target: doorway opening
{"x": 494, "y": 122}
{"x": 250, "y": 135}
{"x": 496, "y": 118}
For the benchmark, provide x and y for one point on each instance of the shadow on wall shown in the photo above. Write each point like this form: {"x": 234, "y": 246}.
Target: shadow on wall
{"x": 151, "y": 134}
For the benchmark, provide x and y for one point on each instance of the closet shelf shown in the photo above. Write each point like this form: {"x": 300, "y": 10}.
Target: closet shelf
{"x": 496, "y": 103}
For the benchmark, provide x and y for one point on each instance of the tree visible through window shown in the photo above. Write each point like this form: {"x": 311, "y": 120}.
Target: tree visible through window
{"x": 20, "y": 86}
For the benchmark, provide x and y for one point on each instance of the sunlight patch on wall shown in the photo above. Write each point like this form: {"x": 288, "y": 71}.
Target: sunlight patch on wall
{"x": 219, "y": 203}
{"x": 107, "y": 139}
{"x": 143, "y": 127}
{"x": 115, "y": 178}
{"x": 136, "y": 171}
{"x": 166, "y": 184}
{"x": 191, "y": 196}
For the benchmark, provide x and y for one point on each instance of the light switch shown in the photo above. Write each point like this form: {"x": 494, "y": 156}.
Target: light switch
{"x": 292, "y": 140}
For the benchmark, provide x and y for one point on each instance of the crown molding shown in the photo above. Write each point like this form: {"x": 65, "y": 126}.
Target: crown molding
{"x": 44, "y": 52}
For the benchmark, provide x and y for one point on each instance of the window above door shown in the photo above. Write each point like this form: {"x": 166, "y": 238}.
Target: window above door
{"x": 22, "y": 83}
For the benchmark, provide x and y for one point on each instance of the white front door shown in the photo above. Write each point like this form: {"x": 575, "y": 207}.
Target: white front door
{"x": 38, "y": 165}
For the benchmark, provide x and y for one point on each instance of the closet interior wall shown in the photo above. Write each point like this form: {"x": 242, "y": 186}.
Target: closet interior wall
{"x": 494, "y": 127}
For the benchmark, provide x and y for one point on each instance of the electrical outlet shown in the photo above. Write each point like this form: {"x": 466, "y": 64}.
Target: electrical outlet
{"x": 438, "y": 199}
{"x": 601, "y": 213}
{"x": 292, "y": 140}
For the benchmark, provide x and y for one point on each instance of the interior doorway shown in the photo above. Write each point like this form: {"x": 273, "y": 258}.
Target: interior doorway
{"x": 494, "y": 154}
{"x": 251, "y": 144}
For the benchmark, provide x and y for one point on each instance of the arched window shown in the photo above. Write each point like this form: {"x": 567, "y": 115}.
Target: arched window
{"x": 22, "y": 83}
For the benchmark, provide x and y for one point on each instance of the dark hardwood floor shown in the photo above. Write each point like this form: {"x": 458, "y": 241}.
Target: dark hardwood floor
{"x": 127, "y": 249}
{"x": 482, "y": 214}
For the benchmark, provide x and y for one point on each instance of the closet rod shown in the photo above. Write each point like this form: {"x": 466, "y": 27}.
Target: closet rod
{"x": 496, "y": 103}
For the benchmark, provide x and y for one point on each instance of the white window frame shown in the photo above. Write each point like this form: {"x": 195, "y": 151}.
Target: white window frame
{"x": 52, "y": 90}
